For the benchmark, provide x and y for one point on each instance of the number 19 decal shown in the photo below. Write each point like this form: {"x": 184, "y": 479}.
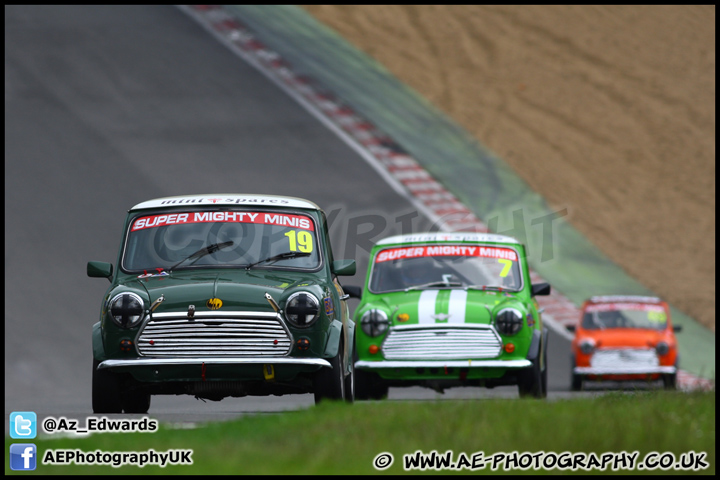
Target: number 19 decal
{"x": 302, "y": 241}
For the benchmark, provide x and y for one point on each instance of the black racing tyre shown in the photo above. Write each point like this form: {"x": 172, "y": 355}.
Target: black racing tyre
{"x": 576, "y": 381}
{"x": 135, "y": 402}
{"x": 350, "y": 381}
{"x": 105, "y": 391}
{"x": 369, "y": 386}
{"x": 670, "y": 379}
{"x": 329, "y": 383}
{"x": 362, "y": 385}
{"x": 530, "y": 380}
{"x": 380, "y": 391}
{"x": 543, "y": 375}
{"x": 350, "y": 387}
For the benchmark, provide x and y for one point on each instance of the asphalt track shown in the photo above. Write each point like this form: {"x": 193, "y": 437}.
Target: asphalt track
{"x": 107, "y": 106}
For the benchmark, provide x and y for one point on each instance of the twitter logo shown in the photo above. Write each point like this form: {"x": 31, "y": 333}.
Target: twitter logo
{"x": 23, "y": 425}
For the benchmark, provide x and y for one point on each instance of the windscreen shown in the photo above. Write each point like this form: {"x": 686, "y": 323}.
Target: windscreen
{"x": 400, "y": 268}
{"x": 624, "y": 315}
{"x": 161, "y": 241}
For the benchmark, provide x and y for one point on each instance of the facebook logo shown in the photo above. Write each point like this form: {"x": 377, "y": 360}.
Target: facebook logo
{"x": 23, "y": 456}
{"x": 23, "y": 425}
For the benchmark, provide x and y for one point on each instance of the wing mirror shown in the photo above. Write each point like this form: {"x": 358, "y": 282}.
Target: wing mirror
{"x": 100, "y": 270}
{"x": 353, "y": 290}
{"x": 344, "y": 267}
{"x": 539, "y": 289}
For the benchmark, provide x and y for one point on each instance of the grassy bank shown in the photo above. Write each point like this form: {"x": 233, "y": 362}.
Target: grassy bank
{"x": 342, "y": 439}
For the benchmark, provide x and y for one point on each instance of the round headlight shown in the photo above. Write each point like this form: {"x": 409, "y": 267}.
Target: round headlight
{"x": 126, "y": 309}
{"x": 374, "y": 322}
{"x": 302, "y": 309}
{"x": 509, "y": 321}
{"x": 662, "y": 348}
{"x": 587, "y": 346}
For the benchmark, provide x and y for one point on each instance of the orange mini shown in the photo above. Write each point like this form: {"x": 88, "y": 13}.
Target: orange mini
{"x": 623, "y": 338}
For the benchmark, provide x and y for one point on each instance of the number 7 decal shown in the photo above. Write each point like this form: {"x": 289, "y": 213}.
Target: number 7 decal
{"x": 507, "y": 265}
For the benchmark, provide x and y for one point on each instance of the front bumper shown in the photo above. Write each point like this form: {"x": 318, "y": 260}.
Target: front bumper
{"x": 445, "y": 373}
{"x": 201, "y": 369}
{"x": 623, "y": 370}
{"x": 365, "y": 365}
{"x": 151, "y": 362}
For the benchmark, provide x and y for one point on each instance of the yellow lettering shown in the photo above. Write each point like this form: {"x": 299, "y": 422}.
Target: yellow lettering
{"x": 507, "y": 265}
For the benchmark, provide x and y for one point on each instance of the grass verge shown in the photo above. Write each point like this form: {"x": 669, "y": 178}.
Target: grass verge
{"x": 335, "y": 438}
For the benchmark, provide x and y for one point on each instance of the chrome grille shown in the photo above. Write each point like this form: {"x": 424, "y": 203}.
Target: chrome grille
{"x": 214, "y": 334}
{"x": 442, "y": 342}
{"x": 624, "y": 358}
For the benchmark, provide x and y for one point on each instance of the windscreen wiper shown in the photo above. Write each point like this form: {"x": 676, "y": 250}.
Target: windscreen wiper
{"x": 279, "y": 256}
{"x": 202, "y": 252}
{"x": 491, "y": 287}
{"x": 439, "y": 283}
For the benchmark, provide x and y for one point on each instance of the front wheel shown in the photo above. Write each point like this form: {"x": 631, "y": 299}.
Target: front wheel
{"x": 350, "y": 381}
{"x": 105, "y": 391}
{"x": 530, "y": 380}
{"x": 135, "y": 402}
{"x": 576, "y": 381}
{"x": 369, "y": 386}
{"x": 329, "y": 383}
{"x": 545, "y": 371}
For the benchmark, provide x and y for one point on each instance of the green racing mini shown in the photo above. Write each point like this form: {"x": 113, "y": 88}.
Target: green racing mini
{"x": 442, "y": 310}
{"x": 222, "y": 295}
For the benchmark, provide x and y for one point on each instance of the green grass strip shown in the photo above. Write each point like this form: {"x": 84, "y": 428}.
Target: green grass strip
{"x": 336, "y": 438}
